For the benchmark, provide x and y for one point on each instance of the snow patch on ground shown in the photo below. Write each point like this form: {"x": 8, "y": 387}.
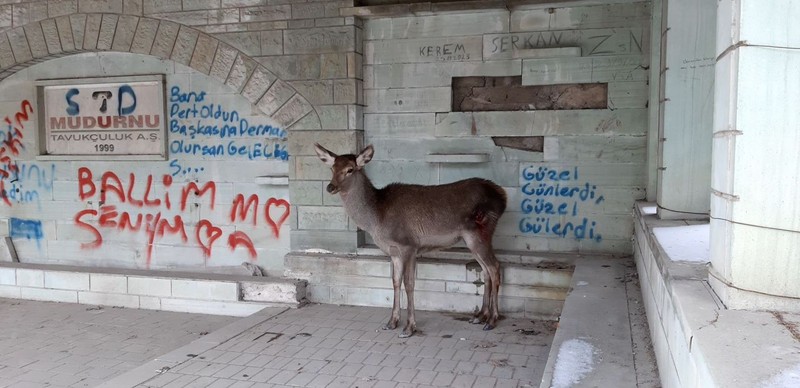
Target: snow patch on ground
{"x": 575, "y": 360}
{"x": 788, "y": 378}
{"x": 685, "y": 243}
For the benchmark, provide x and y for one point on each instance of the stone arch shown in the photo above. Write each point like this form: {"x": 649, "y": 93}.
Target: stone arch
{"x": 60, "y": 36}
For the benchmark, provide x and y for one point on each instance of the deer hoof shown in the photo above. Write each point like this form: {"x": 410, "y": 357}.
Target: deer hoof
{"x": 406, "y": 334}
{"x": 389, "y": 326}
{"x": 488, "y": 327}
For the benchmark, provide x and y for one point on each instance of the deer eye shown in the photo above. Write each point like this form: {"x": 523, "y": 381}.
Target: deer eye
{"x": 349, "y": 170}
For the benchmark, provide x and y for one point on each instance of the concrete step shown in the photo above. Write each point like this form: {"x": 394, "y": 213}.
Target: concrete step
{"x": 450, "y": 282}
{"x": 592, "y": 346}
{"x": 206, "y": 293}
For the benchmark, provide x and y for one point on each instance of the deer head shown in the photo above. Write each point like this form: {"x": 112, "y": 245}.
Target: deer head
{"x": 343, "y": 167}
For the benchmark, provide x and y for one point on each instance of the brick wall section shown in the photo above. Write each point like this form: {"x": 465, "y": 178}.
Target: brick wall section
{"x": 300, "y": 63}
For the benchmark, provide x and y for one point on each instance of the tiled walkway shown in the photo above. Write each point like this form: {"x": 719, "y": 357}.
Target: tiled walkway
{"x": 338, "y": 346}
{"x": 45, "y": 344}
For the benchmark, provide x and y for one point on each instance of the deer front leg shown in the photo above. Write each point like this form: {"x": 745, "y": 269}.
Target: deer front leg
{"x": 409, "y": 279}
{"x": 397, "y": 276}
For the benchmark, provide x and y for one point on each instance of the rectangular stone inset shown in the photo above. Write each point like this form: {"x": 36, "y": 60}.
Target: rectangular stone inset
{"x": 205, "y": 290}
{"x": 114, "y": 300}
{"x": 30, "y": 277}
{"x": 240, "y": 72}
{"x": 321, "y": 217}
{"x": 204, "y": 53}
{"x": 543, "y": 123}
{"x": 51, "y": 37}
{"x": 477, "y": 94}
{"x": 100, "y": 6}
{"x": 149, "y": 286}
{"x": 418, "y": 75}
{"x": 116, "y": 284}
{"x": 258, "y": 84}
{"x": 126, "y": 29}
{"x": 592, "y": 42}
{"x": 36, "y": 42}
{"x": 108, "y": 28}
{"x": 408, "y": 100}
{"x": 223, "y": 61}
{"x": 92, "y": 31}
{"x": 275, "y": 97}
{"x": 6, "y": 54}
{"x": 78, "y": 23}
{"x": 451, "y": 49}
{"x": 145, "y": 36}
{"x": 19, "y": 45}
{"x": 259, "y": 14}
{"x": 66, "y": 280}
{"x": 165, "y": 39}
{"x": 293, "y": 110}
{"x": 8, "y": 276}
{"x": 65, "y": 33}
{"x": 319, "y": 40}
{"x": 464, "y": 24}
{"x": 184, "y": 46}
{"x": 584, "y": 70}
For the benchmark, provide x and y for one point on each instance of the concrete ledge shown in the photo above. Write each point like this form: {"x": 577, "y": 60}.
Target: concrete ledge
{"x": 156, "y": 290}
{"x": 604, "y": 341}
{"x": 699, "y": 342}
{"x": 272, "y": 180}
{"x": 454, "y": 283}
{"x": 457, "y": 158}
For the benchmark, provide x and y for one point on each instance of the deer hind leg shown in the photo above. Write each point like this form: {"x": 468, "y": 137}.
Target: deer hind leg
{"x": 397, "y": 277}
{"x": 484, "y": 253}
{"x": 410, "y": 270}
{"x": 483, "y": 314}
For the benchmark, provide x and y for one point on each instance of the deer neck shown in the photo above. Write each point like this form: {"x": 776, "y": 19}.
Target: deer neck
{"x": 361, "y": 202}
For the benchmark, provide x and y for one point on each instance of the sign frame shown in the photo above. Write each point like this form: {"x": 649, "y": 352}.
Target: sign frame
{"x": 43, "y": 132}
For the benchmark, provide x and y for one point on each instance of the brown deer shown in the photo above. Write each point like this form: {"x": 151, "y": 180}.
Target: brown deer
{"x": 406, "y": 220}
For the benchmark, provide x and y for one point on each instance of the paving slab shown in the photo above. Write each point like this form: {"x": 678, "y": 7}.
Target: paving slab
{"x": 328, "y": 345}
{"x": 46, "y": 344}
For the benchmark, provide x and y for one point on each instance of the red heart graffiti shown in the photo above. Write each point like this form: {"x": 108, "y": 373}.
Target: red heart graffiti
{"x": 241, "y": 238}
{"x": 276, "y": 226}
{"x": 212, "y": 233}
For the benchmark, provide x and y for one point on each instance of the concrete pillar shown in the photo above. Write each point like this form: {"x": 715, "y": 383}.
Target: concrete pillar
{"x": 755, "y": 201}
{"x": 686, "y": 108}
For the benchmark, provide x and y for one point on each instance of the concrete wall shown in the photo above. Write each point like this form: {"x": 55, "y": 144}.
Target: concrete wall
{"x": 55, "y": 211}
{"x": 409, "y": 65}
{"x": 318, "y": 76}
{"x": 291, "y": 66}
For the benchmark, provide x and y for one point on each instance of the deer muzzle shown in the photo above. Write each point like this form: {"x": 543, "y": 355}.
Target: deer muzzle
{"x": 332, "y": 188}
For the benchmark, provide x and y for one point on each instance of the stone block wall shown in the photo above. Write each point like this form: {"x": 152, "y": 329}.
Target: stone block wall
{"x": 597, "y": 155}
{"x": 317, "y": 72}
{"x": 292, "y": 66}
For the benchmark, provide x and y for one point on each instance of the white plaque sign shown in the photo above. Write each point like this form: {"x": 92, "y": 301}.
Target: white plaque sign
{"x": 103, "y": 117}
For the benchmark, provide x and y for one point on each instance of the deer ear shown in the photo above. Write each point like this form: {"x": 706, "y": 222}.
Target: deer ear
{"x": 326, "y": 156}
{"x": 365, "y": 156}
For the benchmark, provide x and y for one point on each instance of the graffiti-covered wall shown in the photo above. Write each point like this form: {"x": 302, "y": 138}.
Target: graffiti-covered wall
{"x": 549, "y": 102}
{"x": 248, "y": 87}
{"x": 208, "y": 205}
